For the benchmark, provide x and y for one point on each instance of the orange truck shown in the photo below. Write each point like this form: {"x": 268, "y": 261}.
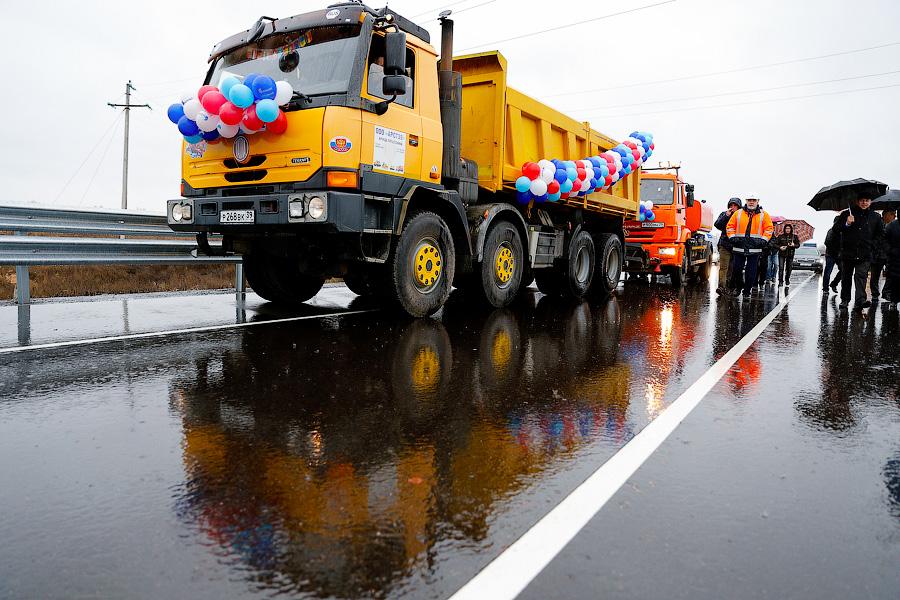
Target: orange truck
{"x": 676, "y": 241}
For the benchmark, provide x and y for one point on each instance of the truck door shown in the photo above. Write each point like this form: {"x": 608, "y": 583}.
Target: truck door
{"x": 392, "y": 142}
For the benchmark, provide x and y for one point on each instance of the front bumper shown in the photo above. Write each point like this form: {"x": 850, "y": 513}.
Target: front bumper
{"x": 648, "y": 258}
{"x": 805, "y": 266}
{"x": 345, "y": 212}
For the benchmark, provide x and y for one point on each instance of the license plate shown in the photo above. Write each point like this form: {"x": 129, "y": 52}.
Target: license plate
{"x": 652, "y": 225}
{"x": 237, "y": 216}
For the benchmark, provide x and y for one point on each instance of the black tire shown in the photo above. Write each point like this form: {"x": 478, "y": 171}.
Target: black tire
{"x": 610, "y": 258}
{"x": 549, "y": 281}
{"x": 280, "y": 280}
{"x": 368, "y": 281}
{"x": 423, "y": 264}
{"x": 679, "y": 275}
{"x": 705, "y": 270}
{"x": 572, "y": 277}
{"x": 502, "y": 264}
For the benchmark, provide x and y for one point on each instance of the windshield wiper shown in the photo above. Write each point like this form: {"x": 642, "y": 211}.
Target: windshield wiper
{"x": 296, "y": 98}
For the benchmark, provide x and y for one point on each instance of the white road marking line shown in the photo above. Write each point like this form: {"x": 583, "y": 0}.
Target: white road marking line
{"x": 152, "y": 334}
{"x": 511, "y": 572}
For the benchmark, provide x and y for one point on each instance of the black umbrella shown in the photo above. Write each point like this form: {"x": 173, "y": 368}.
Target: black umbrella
{"x": 841, "y": 194}
{"x": 890, "y": 201}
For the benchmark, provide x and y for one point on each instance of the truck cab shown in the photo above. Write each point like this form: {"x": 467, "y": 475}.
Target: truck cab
{"x": 674, "y": 242}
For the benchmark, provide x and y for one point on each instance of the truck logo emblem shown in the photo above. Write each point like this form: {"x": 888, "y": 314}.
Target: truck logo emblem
{"x": 340, "y": 144}
{"x": 332, "y": 14}
{"x": 300, "y": 160}
{"x": 241, "y": 149}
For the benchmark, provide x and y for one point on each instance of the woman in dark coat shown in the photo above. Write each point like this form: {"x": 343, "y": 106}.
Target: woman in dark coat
{"x": 892, "y": 239}
{"x": 785, "y": 244}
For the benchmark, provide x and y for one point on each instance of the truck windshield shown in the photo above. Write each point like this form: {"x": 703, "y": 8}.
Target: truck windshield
{"x": 314, "y": 61}
{"x": 658, "y": 191}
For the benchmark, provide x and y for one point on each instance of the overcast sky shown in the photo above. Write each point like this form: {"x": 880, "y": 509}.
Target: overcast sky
{"x": 733, "y": 133}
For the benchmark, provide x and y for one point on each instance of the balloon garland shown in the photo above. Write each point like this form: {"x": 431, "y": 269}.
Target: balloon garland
{"x": 646, "y": 211}
{"x": 552, "y": 180}
{"x": 235, "y": 107}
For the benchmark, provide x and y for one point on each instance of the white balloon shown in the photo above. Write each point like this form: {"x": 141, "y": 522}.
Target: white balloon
{"x": 615, "y": 176}
{"x": 283, "y": 92}
{"x": 538, "y": 187}
{"x": 548, "y": 173}
{"x": 247, "y": 130}
{"x": 192, "y": 108}
{"x": 207, "y": 122}
{"x": 227, "y": 131}
{"x": 187, "y": 96}
{"x": 544, "y": 164}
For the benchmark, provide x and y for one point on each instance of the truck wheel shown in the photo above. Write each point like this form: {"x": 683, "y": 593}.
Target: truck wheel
{"x": 704, "y": 272}
{"x": 609, "y": 267}
{"x": 423, "y": 264}
{"x": 679, "y": 275}
{"x": 280, "y": 280}
{"x": 580, "y": 265}
{"x": 367, "y": 280}
{"x": 503, "y": 264}
{"x": 549, "y": 281}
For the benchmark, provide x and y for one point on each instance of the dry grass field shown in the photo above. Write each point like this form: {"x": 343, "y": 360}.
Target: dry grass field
{"x": 52, "y": 282}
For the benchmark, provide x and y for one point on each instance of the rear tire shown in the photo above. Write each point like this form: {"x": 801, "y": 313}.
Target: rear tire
{"x": 502, "y": 265}
{"x": 280, "y": 280}
{"x": 368, "y": 281}
{"x": 580, "y": 265}
{"x": 679, "y": 275}
{"x": 609, "y": 266}
{"x": 423, "y": 264}
{"x": 705, "y": 271}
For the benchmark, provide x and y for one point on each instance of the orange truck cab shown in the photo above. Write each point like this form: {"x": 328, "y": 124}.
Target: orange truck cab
{"x": 676, "y": 241}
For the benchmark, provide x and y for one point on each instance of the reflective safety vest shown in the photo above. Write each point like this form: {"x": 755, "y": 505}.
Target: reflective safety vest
{"x": 750, "y": 231}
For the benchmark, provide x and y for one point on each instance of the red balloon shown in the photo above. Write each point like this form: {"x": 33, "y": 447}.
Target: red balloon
{"x": 279, "y": 125}
{"x": 202, "y": 91}
{"x": 553, "y": 187}
{"x": 576, "y": 185}
{"x": 653, "y": 146}
{"x": 581, "y": 172}
{"x": 630, "y": 144}
{"x": 212, "y": 101}
{"x": 250, "y": 120}
{"x": 608, "y": 180}
{"x": 636, "y": 154}
{"x": 231, "y": 114}
{"x": 531, "y": 170}
{"x": 566, "y": 195}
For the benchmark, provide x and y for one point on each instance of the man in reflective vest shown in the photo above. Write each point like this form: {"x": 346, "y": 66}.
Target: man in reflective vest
{"x": 749, "y": 231}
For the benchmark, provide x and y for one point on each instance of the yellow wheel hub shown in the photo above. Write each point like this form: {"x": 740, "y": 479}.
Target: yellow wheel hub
{"x": 505, "y": 264}
{"x": 426, "y": 370}
{"x": 501, "y": 351}
{"x": 427, "y": 264}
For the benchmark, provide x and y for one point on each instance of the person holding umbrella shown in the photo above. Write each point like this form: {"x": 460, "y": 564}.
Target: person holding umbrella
{"x": 860, "y": 230}
{"x": 832, "y": 259}
{"x": 725, "y": 244}
{"x": 786, "y": 243}
{"x": 879, "y": 260}
{"x": 892, "y": 243}
{"x": 749, "y": 231}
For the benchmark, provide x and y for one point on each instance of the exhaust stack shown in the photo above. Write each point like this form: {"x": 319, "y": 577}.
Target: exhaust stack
{"x": 457, "y": 173}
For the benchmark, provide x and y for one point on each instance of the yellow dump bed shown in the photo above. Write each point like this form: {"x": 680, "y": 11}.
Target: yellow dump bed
{"x": 502, "y": 129}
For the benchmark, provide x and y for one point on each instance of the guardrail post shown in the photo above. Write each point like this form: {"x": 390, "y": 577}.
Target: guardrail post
{"x": 24, "y": 324}
{"x": 239, "y": 285}
{"x": 23, "y": 281}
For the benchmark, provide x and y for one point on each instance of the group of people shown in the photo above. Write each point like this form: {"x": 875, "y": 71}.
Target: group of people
{"x": 862, "y": 244}
{"x": 750, "y": 254}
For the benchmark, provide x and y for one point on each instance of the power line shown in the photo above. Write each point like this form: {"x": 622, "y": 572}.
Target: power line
{"x": 462, "y": 10}
{"x": 441, "y": 7}
{"x": 577, "y": 23}
{"x": 654, "y": 112}
{"x": 726, "y": 72}
{"x": 89, "y": 154}
{"x": 737, "y": 93}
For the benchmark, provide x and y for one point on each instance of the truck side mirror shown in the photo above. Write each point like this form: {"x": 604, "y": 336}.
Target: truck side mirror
{"x": 394, "y": 64}
{"x": 689, "y": 189}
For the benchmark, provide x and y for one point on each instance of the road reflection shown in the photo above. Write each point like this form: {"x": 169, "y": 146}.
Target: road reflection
{"x": 344, "y": 457}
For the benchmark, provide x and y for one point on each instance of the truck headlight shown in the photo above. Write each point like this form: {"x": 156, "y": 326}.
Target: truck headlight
{"x": 316, "y": 208}
{"x": 295, "y": 208}
{"x": 177, "y": 212}
{"x": 667, "y": 252}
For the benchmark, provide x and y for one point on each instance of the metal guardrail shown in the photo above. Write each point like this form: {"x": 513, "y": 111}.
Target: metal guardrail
{"x": 143, "y": 240}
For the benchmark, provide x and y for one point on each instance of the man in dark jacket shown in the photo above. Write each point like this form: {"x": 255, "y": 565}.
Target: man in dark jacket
{"x": 832, "y": 259}
{"x": 785, "y": 244}
{"x": 749, "y": 231}
{"x": 879, "y": 258}
{"x": 860, "y": 231}
{"x": 892, "y": 238}
{"x": 725, "y": 244}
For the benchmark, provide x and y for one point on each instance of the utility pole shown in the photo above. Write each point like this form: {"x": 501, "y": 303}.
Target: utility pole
{"x": 127, "y": 106}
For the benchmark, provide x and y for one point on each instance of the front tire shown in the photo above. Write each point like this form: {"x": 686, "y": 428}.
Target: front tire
{"x": 423, "y": 264}
{"x": 280, "y": 280}
{"x": 679, "y": 275}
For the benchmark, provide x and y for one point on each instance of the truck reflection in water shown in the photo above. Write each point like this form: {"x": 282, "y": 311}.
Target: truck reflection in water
{"x": 337, "y": 457}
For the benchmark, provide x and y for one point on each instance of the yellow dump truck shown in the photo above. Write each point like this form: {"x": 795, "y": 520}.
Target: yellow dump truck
{"x": 396, "y": 171}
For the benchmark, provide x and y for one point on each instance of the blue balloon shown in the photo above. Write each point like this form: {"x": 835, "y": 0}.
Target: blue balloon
{"x": 263, "y": 88}
{"x": 604, "y": 170}
{"x": 621, "y": 151}
{"x": 523, "y": 197}
{"x": 572, "y": 173}
{"x": 595, "y": 162}
{"x": 553, "y": 197}
{"x": 187, "y": 127}
{"x": 566, "y": 186}
{"x": 193, "y": 139}
{"x": 266, "y": 110}
{"x": 248, "y": 80}
{"x": 628, "y": 170}
{"x": 627, "y": 160}
{"x": 642, "y": 217}
{"x": 228, "y": 83}
{"x": 540, "y": 199}
{"x": 597, "y": 173}
{"x": 593, "y": 183}
{"x": 561, "y": 175}
{"x": 650, "y": 215}
{"x": 523, "y": 184}
{"x": 634, "y": 134}
{"x": 241, "y": 96}
{"x": 557, "y": 163}
{"x": 210, "y": 135}
{"x": 621, "y": 173}
{"x": 570, "y": 164}
{"x": 175, "y": 112}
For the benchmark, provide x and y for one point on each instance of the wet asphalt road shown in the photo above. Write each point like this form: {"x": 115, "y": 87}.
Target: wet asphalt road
{"x": 368, "y": 455}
